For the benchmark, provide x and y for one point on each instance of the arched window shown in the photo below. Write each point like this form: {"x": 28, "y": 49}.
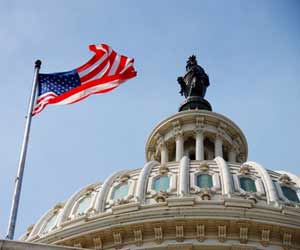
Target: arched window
{"x": 204, "y": 181}
{"x": 247, "y": 184}
{"x": 83, "y": 204}
{"x": 50, "y": 223}
{"x": 162, "y": 183}
{"x": 290, "y": 194}
{"x": 120, "y": 191}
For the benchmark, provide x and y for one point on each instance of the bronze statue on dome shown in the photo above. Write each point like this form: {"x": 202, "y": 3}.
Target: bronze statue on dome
{"x": 193, "y": 86}
{"x": 195, "y": 81}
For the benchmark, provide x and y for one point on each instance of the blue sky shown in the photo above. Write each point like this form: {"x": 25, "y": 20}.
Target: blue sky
{"x": 250, "y": 49}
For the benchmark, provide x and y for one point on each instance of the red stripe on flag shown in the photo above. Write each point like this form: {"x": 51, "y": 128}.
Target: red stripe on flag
{"x": 111, "y": 61}
{"x": 124, "y": 76}
{"x": 95, "y": 71}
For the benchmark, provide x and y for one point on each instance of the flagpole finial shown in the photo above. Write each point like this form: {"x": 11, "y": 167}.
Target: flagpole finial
{"x": 38, "y": 63}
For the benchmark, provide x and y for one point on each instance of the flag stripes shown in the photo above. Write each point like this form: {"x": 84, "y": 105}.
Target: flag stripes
{"x": 105, "y": 71}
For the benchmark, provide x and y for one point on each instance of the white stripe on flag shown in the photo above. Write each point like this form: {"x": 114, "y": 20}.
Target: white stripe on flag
{"x": 115, "y": 65}
{"x": 99, "y": 75}
{"x": 89, "y": 91}
{"x": 96, "y": 64}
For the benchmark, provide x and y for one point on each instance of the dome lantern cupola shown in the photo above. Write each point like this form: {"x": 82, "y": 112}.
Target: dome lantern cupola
{"x": 195, "y": 131}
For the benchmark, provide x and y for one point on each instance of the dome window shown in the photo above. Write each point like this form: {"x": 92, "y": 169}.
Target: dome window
{"x": 204, "y": 181}
{"x": 50, "y": 223}
{"x": 83, "y": 204}
{"x": 247, "y": 184}
{"x": 120, "y": 192}
{"x": 290, "y": 193}
{"x": 162, "y": 183}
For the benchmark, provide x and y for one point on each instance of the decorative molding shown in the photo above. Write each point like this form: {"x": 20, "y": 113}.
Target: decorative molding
{"x": 243, "y": 248}
{"x": 57, "y": 207}
{"x": 117, "y": 238}
{"x": 245, "y": 169}
{"x": 265, "y": 237}
{"x": 200, "y": 231}
{"x": 158, "y": 234}
{"x": 161, "y": 141}
{"x": 287, "y": 239}
{"x": 222, "y": 233}
{"x": 77, "y": 244}
{"x": 179, "y": 233}
{"x": 243, "y": 234}
{"x": 160, "y": 196}
{"x": 177, "y": 129}
{"x": 138, "y": 236}
{"x": 199, "y": 124}
{"x": 204, "y": 167}
{"x": 163, "y": 169}
{"x": 121, "y": 201}
{"x": 205, "y": 194}
{"x": 124, "y": 178}
{"x": 221, "y": 130}
{"x": 285, "y": 179}
{"x": 98, "y": 244}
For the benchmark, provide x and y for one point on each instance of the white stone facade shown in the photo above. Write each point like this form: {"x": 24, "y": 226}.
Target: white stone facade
{"x": 196, "y": 191}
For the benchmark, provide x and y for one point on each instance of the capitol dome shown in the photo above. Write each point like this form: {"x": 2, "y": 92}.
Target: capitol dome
{"x": 197, "y": 190}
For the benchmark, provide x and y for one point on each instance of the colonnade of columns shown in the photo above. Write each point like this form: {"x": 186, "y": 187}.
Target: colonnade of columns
{"x": 199, "y": 148}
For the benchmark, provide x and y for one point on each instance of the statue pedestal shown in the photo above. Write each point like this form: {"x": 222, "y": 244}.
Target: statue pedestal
{"x": 195, "y": 102}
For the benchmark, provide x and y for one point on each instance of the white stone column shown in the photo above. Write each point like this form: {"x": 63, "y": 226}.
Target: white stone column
{"x": 232, "y": 155}
{"x": 199, "y": 146}
{"x": 184, "y": 169}
{"x": 218, "y": 146}
{"x": 179, "y": 146}
{"x": 164, "y": 155}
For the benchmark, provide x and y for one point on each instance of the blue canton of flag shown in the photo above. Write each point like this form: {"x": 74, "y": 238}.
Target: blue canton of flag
{"x": 58, "y": 83}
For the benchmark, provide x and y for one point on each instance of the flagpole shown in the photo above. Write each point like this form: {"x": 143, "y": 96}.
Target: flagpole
{"x": 19, "y": 178}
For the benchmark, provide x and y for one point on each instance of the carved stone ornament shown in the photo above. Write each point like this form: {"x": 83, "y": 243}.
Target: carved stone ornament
{"x": 121, "y": 201}
{"x": 249, "y": 196}
{"x": 124, "y": 177}
{"x": 203, "y": 167}
{"x": 29, "y": 229}
{"x": 160, "y": 196}
{"x": 57, "y": 207}
{"x": 205, "y": 194}
{"x": 91, "y": 211}
{"x": 163, "y": 169}
{"x": 177, "y": 129}
{"x": 199, "y": 124}
{"x": 285, "y": 179}
{"x": 245, "y": 169}
{"x": 89, "y": 190}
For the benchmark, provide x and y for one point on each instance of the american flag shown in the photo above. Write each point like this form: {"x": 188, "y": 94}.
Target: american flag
{"x": 105, "y": 71}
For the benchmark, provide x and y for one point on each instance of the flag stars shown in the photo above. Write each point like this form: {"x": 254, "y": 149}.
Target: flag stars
{"x": 58, "y": 83}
